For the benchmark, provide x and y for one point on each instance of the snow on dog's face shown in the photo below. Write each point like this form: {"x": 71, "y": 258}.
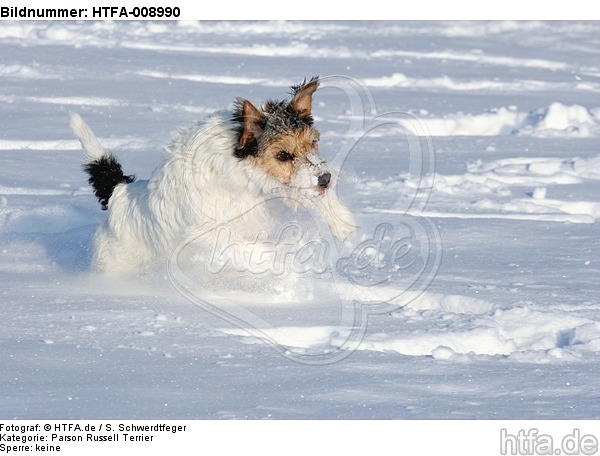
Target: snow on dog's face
{"x": 280, "y": 140}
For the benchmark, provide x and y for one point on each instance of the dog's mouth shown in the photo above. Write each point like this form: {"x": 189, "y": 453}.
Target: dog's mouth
{"x": 309, "y": 190}
{"x": 318, "y": 185}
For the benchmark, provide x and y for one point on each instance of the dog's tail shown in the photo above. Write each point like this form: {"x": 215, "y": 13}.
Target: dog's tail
{"x": 103, "y": 168}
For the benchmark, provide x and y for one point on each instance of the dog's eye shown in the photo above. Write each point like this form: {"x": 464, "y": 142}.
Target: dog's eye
{"x": 284, "y": 156}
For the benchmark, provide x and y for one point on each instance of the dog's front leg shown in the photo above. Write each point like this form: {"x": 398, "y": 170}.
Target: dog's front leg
{"x": 337, "y": 216}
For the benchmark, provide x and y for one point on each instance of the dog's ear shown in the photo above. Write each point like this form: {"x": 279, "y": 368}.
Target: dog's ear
{"x": 253, "y": 123}
{"x": 302, "y": 102}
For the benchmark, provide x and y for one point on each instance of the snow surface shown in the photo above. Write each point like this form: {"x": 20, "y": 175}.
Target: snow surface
{"x": 500, "y": 318}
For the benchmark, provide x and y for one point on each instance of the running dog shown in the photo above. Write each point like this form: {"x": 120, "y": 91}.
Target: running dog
{"x": 221, "y": 170}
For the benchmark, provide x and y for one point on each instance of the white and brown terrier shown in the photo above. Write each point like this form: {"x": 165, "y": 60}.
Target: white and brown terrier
{"x": 218, "y": 171}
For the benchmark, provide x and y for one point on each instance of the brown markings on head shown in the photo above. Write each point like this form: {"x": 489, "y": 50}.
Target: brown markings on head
{"x": 253, "y": 120}
{"x": 279, "y": 144}
{"x": 285, "y": 153}
{"x": 302, "y": 102}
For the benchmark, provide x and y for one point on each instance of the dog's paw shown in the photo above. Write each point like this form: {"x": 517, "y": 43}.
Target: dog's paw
{"x": 343, "y": 226}
{"x": 344, "y": 232}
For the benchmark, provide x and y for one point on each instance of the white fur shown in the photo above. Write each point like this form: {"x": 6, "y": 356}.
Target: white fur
{"x": 92, "y": 147}
{"x": 200, "y": 183}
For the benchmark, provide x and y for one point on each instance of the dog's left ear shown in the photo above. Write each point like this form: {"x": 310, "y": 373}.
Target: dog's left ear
{"x": 302, "y": 102}
{"x": 253, "y": 123}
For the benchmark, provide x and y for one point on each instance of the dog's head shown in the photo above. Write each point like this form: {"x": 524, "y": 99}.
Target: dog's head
{"x": 280, "y": 140}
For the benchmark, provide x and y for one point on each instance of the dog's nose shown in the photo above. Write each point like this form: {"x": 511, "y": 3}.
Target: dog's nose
{"x": 324, "y": 180}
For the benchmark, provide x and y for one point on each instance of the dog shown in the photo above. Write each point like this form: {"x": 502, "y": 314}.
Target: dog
{"x": 219, "y": 170}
